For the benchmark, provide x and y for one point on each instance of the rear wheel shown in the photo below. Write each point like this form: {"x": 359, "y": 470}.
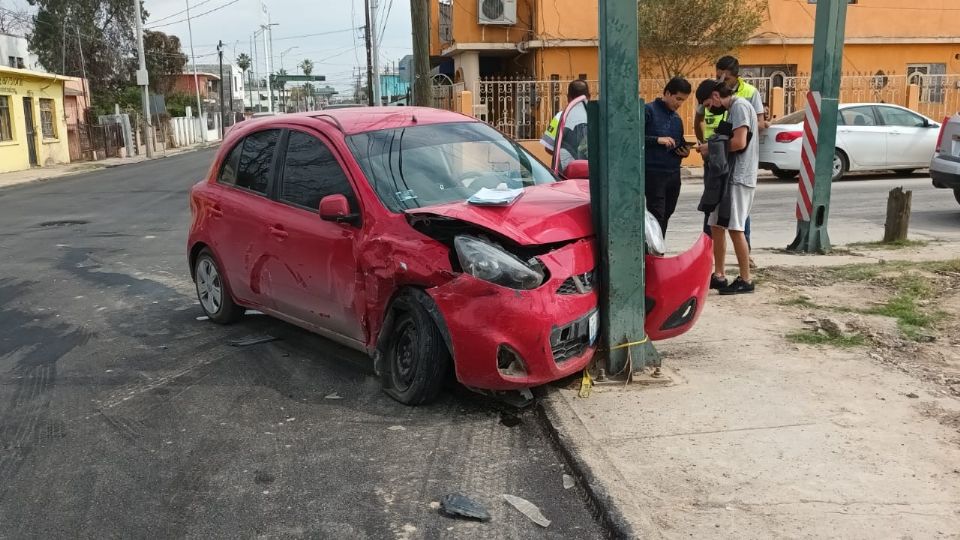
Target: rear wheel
{"x": 416, "y": 358}
{"x": 215, "y": 299}
{"x": 840, "y": 164}
{"x": 785, "y": 175}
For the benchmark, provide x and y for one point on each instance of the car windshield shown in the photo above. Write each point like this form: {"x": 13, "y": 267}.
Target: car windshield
{"x": 420, "y": 166}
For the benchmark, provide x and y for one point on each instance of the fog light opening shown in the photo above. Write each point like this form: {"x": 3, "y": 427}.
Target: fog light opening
{"x": 509, "y": 363}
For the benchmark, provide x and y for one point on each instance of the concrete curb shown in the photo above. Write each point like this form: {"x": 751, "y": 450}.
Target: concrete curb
{"x": 602, "y": 504}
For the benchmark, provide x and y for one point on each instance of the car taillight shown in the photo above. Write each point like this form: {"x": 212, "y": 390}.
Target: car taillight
{"x": 788, "y": 136}
{"x": 943, "y": 126}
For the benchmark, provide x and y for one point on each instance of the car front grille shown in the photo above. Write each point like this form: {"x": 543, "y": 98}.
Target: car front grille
{"x": 570, "y": 341}
{"x": 579, "y": 284}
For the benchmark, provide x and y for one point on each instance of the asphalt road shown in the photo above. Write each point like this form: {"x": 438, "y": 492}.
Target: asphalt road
{"x": 121, "y": 415}
{"x": 857, "y": 212}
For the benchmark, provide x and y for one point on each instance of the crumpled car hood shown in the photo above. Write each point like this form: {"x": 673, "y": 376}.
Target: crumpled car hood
{"x": 544, "y": 214}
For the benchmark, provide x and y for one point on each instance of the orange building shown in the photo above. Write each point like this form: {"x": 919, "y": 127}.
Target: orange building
{"x": 544, "y": 39}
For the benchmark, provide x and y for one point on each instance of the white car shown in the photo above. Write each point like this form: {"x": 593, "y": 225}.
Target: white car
{"x": 870, "y": 137}
{"x": 945, "y": 165}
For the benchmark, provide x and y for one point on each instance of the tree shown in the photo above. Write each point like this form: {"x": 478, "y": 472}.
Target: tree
{"x": 680, "y": 36}
{"x": 13, "y": 21}
{"x": 165, "y": 60}
{"x": 243, "y": 62}
{"x": 306, "y": 66}
{"x": 103, "y": 29}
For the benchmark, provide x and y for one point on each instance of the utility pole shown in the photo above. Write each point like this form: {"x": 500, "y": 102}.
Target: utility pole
{"x": 820, "y": 133}
{"x": 193, "y": 58}
{"x": 143, "y": 80}
{"x": 420, "y": 18}
{"x": 366, "y": 37}
{"x": 375, "y": 52}
{"x": 617, "y": 185}
{"x": 220, "y": 55}
{"x": 268, "y": 53}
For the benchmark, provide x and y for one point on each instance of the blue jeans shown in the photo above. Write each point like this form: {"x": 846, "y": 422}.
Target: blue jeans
{"x": 709, "y": 232}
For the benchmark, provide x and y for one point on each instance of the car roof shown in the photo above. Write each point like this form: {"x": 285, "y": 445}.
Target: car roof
{"x": 353, "y": 120}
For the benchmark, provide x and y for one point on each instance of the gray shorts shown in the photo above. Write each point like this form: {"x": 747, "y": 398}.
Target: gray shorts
{"x": 741, "y": 201}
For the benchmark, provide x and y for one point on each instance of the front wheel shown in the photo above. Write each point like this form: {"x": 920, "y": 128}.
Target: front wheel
{"x": 215, "y": 299}
{"x": 416, "y": 358}
{"x": 840, "y": 165}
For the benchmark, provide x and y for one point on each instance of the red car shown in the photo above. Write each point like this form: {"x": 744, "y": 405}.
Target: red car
{"x": 371, "y": 226}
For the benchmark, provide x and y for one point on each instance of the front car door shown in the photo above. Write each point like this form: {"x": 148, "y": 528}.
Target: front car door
{"x": 239, "y": 215}
{"x": 315, "y": 272}
{"x": 910, "y": 137}
{"x": 861, "y": 136}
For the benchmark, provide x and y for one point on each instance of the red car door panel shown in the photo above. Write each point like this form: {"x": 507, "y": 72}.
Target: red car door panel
{"x": 311, "y": 263}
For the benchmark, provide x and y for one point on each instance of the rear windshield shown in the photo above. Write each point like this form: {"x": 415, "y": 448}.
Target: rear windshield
{"x": 792, "y": 118}
{"x": 420, "y": 166}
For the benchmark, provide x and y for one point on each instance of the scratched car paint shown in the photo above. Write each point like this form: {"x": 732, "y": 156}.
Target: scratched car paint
{"x": 354, "y": 223}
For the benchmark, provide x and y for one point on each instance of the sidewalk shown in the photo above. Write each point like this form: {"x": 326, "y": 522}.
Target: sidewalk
{"x": 757, "y": 437}
{"x": 67, "y": 169}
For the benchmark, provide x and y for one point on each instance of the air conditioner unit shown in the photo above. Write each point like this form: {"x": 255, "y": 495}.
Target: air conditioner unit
{"x": 503, "y": 12}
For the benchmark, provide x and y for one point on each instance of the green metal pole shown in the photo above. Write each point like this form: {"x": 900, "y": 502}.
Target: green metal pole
{"x": 812, "y": 219}
{"x": 617, "y": 190}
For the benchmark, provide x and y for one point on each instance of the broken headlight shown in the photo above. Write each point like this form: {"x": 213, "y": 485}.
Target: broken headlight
{"x": 490, "y": 262}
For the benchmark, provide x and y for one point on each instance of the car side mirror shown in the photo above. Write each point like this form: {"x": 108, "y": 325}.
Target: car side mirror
{"x": 336, "y": 208}
{"x": 577, "y": 169}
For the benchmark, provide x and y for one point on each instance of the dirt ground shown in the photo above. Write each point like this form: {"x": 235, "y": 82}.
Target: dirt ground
{"x": 825, "y": 405}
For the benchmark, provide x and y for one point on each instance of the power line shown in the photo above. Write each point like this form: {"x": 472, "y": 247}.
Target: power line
{"x": 181, "y": 12}
{"x": 383, "y": 28}
{"x": 228, "y": 4}
{"x": 317, "y": 34}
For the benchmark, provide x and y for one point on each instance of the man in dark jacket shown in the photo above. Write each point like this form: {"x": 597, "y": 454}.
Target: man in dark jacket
{"x": 665, "y": 149}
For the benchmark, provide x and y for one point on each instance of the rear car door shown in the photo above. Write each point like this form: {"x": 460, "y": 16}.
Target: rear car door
{"x": 861, "y": 136}
{"x": 910, "y": 139}
{"x": 243, "y": 205}
{"x": 314, "y": 272}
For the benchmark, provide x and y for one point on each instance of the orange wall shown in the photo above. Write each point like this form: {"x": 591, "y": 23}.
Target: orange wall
{"x": 868, "y": 19}
{"x": 466, "y": 29}
{"x": 891, "y": 58}
{"x": 566, "y": 19}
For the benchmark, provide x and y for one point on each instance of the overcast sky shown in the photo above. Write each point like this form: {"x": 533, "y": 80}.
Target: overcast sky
{"x": 335, "y": 54}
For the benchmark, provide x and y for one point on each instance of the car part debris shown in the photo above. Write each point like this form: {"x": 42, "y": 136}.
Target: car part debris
{"x": 568, "y": 481}
{"x": 251, "y": 340}
{"x": 528, "y": 509}
{"x": 332, "y": 396}
{"x": 456, "y": 505}
{"x": 397, "y": 428}
{"x": 203, "y": 318}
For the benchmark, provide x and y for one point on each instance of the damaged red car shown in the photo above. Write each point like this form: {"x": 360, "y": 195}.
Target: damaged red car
{"x": 422, "y": 237}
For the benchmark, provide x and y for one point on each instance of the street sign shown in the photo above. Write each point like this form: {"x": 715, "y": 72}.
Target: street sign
{"x": 298, "y": 78}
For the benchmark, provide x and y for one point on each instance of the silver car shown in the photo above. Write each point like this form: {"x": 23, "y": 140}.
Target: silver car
{"x": 945, "y": 165}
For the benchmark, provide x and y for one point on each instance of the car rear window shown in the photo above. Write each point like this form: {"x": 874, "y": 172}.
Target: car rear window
{"x": 253, "y": 173}
{"x": 228, "y": 172}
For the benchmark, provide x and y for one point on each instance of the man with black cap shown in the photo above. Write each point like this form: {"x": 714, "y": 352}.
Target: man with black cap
{"x": 741, "y": 126}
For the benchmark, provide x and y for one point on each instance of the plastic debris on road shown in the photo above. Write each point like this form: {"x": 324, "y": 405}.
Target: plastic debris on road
{"x": 456, "y": 505}
{"x": 397, "y": 428}
{"x": 332, "y": 396}
{"x": 528, "y": 509}
{"x": 251, "y": 340}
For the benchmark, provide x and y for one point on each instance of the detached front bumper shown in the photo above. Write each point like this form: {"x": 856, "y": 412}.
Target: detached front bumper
{"x": 677, "y": 289}
{"x": 551, "y": 330}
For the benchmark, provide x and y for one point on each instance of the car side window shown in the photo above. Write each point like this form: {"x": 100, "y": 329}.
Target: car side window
{"x": 899, "y": 117}
{"x": 311, "y": 172}
{"x": 253, "y": 172}
{"x": 228, "y": 171}
{"x": 858, "y": 116}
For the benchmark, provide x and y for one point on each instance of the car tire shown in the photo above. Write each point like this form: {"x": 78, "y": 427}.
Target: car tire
{"x": 844, "y": 164}
{"x": 785, "y": 175}
{"x": 415, "y": 358}
{"x": 212, "y": 292}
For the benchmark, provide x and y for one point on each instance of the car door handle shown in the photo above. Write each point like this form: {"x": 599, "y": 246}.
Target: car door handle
{"x": 216, "y": 212}
{"x": 278, "y": 232}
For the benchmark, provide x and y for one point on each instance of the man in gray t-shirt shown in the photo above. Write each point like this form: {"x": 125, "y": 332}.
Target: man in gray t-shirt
{"x": 744, "y": 159}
